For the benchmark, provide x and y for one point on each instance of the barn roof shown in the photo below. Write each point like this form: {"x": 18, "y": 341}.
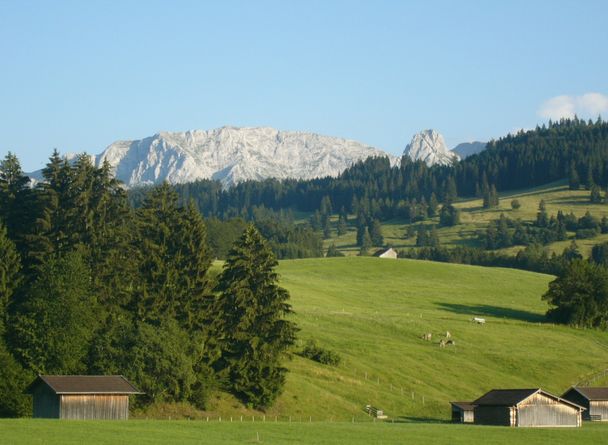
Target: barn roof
{"x": 86, "y": 384}
{"x": 591, "y": 393}
{"x": 465, "y": 406}
{"x": 383, "y": 251}
{"x": 505, "y": 397}
{"x": 512, "y": 397}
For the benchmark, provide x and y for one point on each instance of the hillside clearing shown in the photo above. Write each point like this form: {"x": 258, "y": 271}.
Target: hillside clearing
{"x": 372, "y": 312}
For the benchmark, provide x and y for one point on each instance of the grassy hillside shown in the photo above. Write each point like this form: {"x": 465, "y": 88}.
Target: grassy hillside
{"x": 474, "y": 218}
{"x": 373, "y": 312}
{"x": 39, "y": 432}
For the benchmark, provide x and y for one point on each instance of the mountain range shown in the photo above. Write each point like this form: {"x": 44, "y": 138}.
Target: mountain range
{"x": 232, "y": 155}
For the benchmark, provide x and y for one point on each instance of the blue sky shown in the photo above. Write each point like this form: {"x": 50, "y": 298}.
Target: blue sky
{"x": 78, "y": 75}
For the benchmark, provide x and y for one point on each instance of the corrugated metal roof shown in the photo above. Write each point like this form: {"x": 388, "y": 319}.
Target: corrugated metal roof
{"x": 86, "y": 384}
{"x": 465, "y": 406}
{"x": 505, "y": 397}
{"x": 592, "y": 393}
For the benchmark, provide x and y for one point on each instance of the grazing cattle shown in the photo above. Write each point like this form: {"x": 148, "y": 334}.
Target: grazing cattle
{"x": 442, "y": 343}
{"x": 427, "y": 337}
{"x": 479, "y": 320}
{"x": 448, "y": 335}
{"x": 451, "y": 343}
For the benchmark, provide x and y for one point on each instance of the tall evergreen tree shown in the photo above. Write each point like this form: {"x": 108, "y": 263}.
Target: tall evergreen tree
{"x": 9, "y": 275}
{"x": 51, "y": 328}
{"x": 375, "y": 233}
{"x": 342, "y": 224}
{"x": 366, "y": 243}
{"x": 251, "y": 325}
{"x": 15, "y": 200}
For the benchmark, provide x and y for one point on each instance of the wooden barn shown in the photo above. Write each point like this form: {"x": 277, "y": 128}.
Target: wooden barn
{"x": 526, "y": 408}
{"x": 594, "y": 400}
{"x": 81, "y": 396}
{"x": 386, "y": 253}
{"x": 463, "y": 412}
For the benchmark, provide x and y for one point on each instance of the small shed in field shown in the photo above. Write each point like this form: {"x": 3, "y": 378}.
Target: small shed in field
{"x": 463, "y": 412}
{"x": 526, "y": 408}
{"x": 594, "y": 400}
{"x": 386, "y": 253}
{"x": 81, "y": 396}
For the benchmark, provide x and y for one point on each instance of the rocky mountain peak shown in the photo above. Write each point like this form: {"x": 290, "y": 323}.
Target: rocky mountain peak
{"x": 429, "y": 146}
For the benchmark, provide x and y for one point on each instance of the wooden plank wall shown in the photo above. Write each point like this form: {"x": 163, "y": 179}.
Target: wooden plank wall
{"x": 493, "y": 415}
{"x": 46, "y": 403}
{"x": 599, "y": 408}
{"x": 94, "y": 406}
{"x": 540, "y": 410}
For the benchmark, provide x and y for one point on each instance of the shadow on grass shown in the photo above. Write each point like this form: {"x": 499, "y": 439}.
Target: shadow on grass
{"x": 492, "y": 311}
{"x": 414, "y": 419}
{"x": 569, "y": 200}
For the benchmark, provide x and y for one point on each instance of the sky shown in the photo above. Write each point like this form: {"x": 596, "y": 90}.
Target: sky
{"x": 78, "y": 75}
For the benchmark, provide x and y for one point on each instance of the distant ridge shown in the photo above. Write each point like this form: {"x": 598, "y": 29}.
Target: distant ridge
{"x": 231, "y": 155}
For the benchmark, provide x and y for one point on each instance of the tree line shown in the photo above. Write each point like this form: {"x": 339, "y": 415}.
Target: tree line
{"x": 571, "y": 149}
{"x": 89, "y": 285}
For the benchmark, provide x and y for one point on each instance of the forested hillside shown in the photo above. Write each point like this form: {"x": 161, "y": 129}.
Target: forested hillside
{"x": 576, "y": 150}
{"x": 88, "y": 285}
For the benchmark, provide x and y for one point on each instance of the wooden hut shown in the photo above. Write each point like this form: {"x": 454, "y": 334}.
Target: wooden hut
{"x": 463, "y": 412}
{"x": 594, "y": 400}
{"x": 526, "y": 408}
{"x": 81, "y": 396}
{"x": 386, "y": 253}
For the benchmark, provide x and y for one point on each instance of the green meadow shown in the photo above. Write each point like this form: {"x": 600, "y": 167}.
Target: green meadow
{"x": 160, "y": 432}
{"x": 373, "y": 312}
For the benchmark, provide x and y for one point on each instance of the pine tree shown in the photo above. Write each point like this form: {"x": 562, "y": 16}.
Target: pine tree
{"x": 422, "y": 237}
{"x": 366, "y": 243}
{"x": 325, "y": 223}
{"x": 596, "y": 194}
{"x": 433, "y": 205}
{"x": 51, "y": 328}
{"x": 16, "y": 200}
{"x": 9, "y": 275}
{"x": 332, "y": 251}
{"x": 342, "y": 225}
{"x": 451, "y": 193}
{"x": 542, "y": 219}
{"x": 251, "y": 324}
{"x": 174, "y": 260}
{"x": 375, "y": 233}
{"x": 574, "y": 181}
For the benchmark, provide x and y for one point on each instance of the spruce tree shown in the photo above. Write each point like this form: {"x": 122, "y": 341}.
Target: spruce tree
{"x": 375, "y": 233}
{"x": 574, "y": 181}
{"x": 251, "y": 325}
{"x": 332, "y": 251}
{"x": 596, "y": 194}
{"x": 51, "y": 327}
{"x": 16, "y": 200}
{"x": 342, "y": 225}
{"x": 9, "y": 275}
{"x": 366, "y": 243}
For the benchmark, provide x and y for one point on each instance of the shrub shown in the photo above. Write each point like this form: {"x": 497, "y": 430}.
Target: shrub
{"x": 315, "y": 352}
{"x": 515, "y": 204}
{"x": 586, "y": 233}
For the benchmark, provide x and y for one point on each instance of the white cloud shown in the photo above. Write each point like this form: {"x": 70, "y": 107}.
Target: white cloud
{"x": 588, "y": 105}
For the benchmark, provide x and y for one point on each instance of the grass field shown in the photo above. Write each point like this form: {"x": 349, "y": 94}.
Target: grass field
{"x": 48, "y": 432}
{"x": 475, "y": 218}
{"x": 373, "y": 312}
